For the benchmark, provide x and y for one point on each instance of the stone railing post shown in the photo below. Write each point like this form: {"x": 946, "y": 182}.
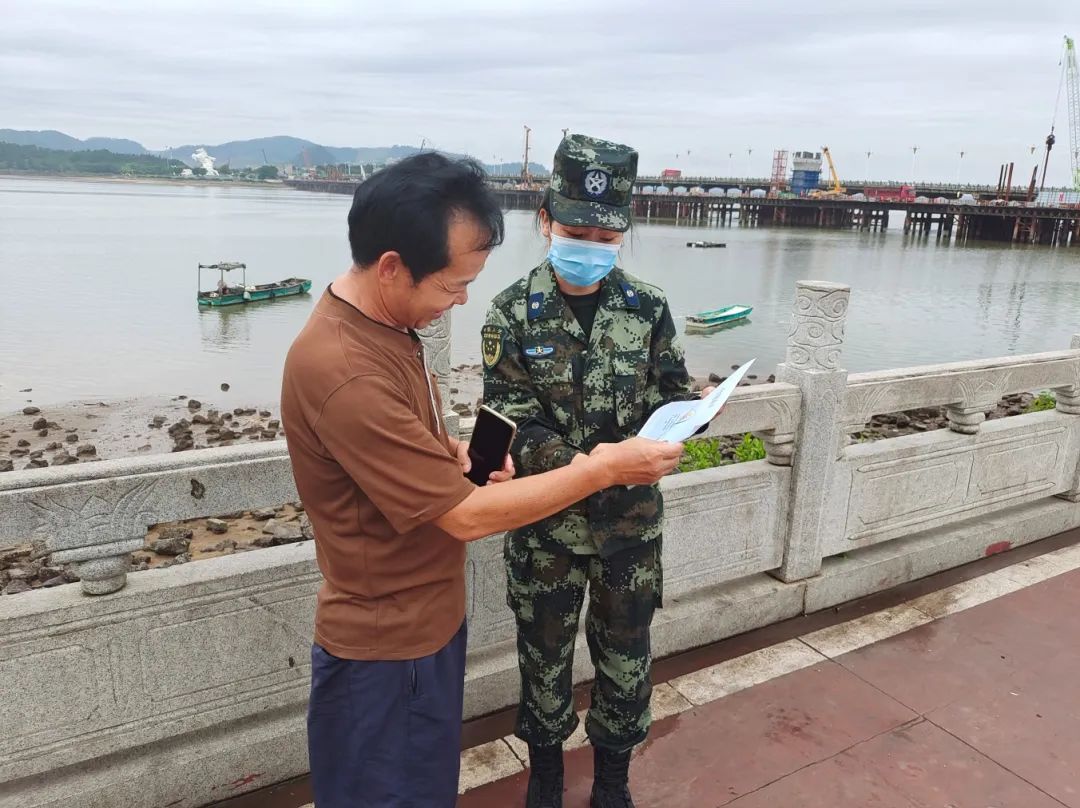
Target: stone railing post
{"x": 967, "y": 419}
{"x": 96, "y": 533}
{"x": 1068, "y": 398}
{"x": 436, "y": 339}
{"x": 103, "y": 568}
{"x": 812, "y": 364}
{"x": 1068, "y": 402}
{"x": 779, "y": 447}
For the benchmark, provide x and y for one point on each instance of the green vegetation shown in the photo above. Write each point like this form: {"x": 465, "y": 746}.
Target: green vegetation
{"x": 267, "y": 173}
{"x": 99, "y": 162}
{"x": 751, "y": 448}
{"x": 707, "y": 453}
{"x": 701, "y": 454}
{"x": 1046, "y": 400}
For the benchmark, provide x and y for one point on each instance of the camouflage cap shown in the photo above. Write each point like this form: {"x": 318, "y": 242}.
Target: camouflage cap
{"x": 592, "y": 181}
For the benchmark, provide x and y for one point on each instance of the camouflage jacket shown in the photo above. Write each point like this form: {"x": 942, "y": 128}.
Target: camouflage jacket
{"x": 567, "y": 395}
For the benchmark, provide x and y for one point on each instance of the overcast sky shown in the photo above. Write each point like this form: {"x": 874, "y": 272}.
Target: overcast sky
{"x": 688, "y": 82}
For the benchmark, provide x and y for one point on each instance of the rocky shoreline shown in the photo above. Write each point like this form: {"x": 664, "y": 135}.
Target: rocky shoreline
{"x": 169, "y": 544}
{"x": 83, "y": 432}
{"x": 80, "y": 433}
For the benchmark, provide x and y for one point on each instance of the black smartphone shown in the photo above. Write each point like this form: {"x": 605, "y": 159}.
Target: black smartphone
{"x": 490, "y": 443}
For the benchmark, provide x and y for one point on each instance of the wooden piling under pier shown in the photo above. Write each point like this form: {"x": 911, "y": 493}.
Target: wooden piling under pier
{"x": 921, "y": 222}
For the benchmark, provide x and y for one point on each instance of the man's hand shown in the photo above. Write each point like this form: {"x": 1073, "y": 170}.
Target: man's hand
{"x": 638, "y": 461}
{"x": 507, "y": 473}
{"x": 705, "y": 393}
{"x": 461, "y": 452}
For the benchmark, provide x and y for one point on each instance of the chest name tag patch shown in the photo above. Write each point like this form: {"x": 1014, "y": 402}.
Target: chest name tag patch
{"x": 491, "y": 345}
{"x": 540, "y": 350}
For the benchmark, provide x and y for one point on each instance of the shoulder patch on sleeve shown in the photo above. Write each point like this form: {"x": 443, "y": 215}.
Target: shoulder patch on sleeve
{"x": 491, "y": 344}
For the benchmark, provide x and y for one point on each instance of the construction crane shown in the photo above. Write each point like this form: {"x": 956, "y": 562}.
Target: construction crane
{"x": 1070, "y": 83}
{"x": 1071, "y": 78}
{"x": 837, "y": 189}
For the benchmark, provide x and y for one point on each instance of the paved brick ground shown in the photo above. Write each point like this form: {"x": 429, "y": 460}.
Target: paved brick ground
{"x": 978, "y": 709}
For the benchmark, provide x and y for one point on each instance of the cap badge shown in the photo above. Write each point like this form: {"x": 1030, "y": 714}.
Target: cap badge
{"x": 596, "y": 183}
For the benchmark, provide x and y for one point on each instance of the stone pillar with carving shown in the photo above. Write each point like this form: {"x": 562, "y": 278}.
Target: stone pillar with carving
{"x": 966, "y": 416}
{"x": 814, "y": 349}
{"x": 95, "y": 533}
{"x": 1068, "y": 402}
{"x": 436, "y": 339}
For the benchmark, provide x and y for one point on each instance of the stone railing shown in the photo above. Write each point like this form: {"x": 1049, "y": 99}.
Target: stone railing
{"x": 187, "y": 685}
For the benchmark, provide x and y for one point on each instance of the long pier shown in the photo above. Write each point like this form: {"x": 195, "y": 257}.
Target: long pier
{"x": 706, "y": 185}
{"x": 1054, "y": 226}
{"x": 1011, "y": 221}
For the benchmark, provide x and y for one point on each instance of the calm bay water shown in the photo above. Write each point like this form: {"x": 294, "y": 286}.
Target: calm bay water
{"x": 98, "y": 280}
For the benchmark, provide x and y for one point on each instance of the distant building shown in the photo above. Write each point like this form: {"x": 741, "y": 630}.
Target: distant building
{"x": 806, "y": 172}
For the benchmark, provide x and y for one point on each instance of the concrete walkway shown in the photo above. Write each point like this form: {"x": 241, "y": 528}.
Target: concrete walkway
{"x": 964, "y": 698}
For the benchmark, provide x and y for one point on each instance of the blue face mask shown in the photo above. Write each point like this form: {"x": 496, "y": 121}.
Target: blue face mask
{"x": 581, "y": 263}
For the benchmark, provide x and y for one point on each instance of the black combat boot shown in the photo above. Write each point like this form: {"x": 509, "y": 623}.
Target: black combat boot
{"x": 545, "y": 777}
{"x": 611, "y": 775}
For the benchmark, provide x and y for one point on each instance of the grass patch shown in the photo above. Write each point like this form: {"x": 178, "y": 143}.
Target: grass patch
{"x": 1046, "y": 400}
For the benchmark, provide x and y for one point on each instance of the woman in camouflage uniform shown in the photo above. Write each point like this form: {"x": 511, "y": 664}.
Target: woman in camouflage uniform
{"x": 579, "y": 353}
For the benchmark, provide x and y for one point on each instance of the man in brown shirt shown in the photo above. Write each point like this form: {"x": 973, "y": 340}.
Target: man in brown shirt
{"x": 384, "y": 487}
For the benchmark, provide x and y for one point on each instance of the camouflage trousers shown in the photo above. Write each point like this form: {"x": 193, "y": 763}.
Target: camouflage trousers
{"x": 546, "y": 589}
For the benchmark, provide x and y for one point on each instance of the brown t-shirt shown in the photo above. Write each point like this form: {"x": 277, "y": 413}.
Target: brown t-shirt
{"x": 373, "y": 467}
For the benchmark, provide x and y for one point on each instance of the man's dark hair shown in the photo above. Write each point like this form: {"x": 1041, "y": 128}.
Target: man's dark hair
{"x": 407, "y": 208}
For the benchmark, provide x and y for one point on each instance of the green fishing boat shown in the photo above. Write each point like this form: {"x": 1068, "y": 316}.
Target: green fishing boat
{"x": 228, "y": 294}
{"x": 706, "y": 321}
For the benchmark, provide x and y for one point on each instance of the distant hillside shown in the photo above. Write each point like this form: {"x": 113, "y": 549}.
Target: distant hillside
{"x": 51, "y": 139}
{"x": 285, "y": 150}
{"x": 514, "y": 169}
{"x": 88, "y": 162}
{"x": 278, "y": 150}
